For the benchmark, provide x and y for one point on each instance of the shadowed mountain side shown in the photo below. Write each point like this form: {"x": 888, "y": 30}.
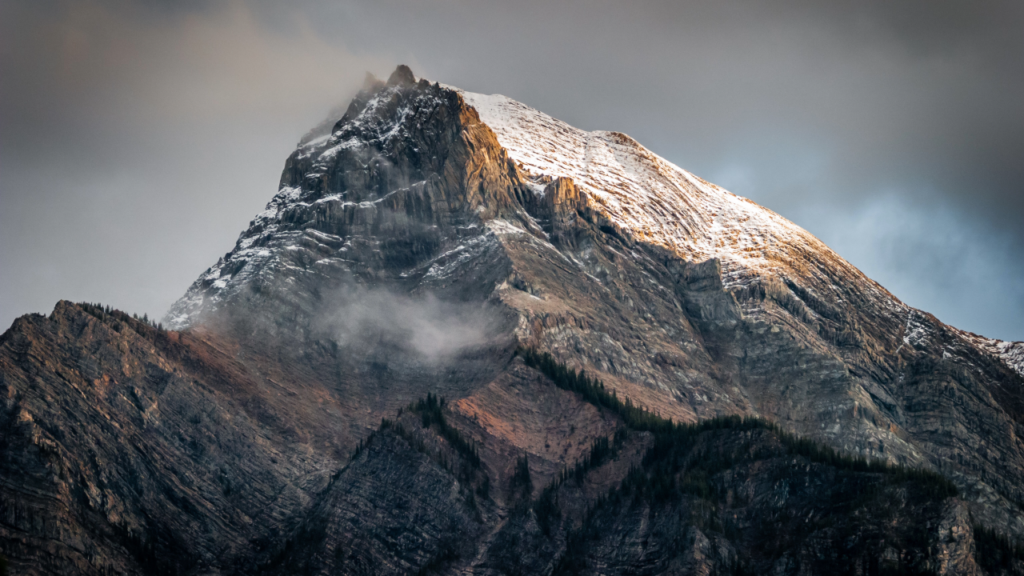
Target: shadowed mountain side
{"x": 124, "y": 443}
{"x": 731, "y": 498}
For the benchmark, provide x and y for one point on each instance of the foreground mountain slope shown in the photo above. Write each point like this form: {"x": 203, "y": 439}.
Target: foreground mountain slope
{"x": 729, "y": 497}
{"x": 176, "y": 458}
{"x": 412, "y": 248}
{"x": 130, "y": 449}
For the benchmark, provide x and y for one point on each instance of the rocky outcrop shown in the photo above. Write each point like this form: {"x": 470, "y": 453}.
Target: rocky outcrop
{"x": 129, "y": 449}
{"x": 557, "y": 210}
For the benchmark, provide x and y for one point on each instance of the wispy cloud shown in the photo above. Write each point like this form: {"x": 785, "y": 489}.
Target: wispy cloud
{"x": 433, "y": 329}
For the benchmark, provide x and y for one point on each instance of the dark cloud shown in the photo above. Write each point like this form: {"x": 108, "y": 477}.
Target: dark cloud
{"x": 140, "y": 137}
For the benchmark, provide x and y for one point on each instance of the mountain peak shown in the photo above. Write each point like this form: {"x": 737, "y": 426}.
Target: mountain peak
{"x": 401, "y": 76}
{"x": 683, "y": 295}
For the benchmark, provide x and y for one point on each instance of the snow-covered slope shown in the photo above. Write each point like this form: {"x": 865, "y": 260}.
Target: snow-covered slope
{"x": 663, "y": 204}
{"x": 1011, "y": 353}
{"x": 657, "y": 201}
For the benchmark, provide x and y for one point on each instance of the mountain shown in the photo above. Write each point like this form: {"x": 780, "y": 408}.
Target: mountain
{"x": 751, "y": 403}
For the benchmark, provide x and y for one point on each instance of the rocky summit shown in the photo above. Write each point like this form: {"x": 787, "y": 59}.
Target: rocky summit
{"x": 468, "y": 338}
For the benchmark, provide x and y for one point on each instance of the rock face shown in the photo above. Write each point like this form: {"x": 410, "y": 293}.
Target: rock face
{"x": 413, "y": 246}
{"x": 744, "y": 505}
{"x": 132, "y": 450}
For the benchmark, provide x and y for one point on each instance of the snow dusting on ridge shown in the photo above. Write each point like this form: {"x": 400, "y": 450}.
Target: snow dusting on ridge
{"x": 1011, "y": 353}
{"x": 640, "y": 191}
{"x": 665, "y": 205}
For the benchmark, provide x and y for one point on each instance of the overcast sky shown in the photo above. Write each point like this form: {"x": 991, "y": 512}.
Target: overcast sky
{"x": 138, "y": 139}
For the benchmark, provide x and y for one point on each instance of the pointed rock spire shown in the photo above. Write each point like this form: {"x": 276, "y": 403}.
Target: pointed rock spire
{"x": 401, "y": 75}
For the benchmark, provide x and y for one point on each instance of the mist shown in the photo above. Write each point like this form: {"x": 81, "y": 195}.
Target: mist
{"x": 422, "y": 324}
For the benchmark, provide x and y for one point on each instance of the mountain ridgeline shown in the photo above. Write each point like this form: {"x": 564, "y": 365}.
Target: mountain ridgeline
{"x": 467, "y": 338}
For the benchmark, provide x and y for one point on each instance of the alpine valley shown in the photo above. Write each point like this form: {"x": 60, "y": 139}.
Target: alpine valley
{"x": 467, "y": 338}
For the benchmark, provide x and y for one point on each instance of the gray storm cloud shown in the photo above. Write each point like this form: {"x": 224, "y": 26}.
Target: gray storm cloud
{"x": 138, "y": 137}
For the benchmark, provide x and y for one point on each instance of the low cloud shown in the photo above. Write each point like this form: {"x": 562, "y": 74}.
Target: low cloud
{"x": 431, "y": 328}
